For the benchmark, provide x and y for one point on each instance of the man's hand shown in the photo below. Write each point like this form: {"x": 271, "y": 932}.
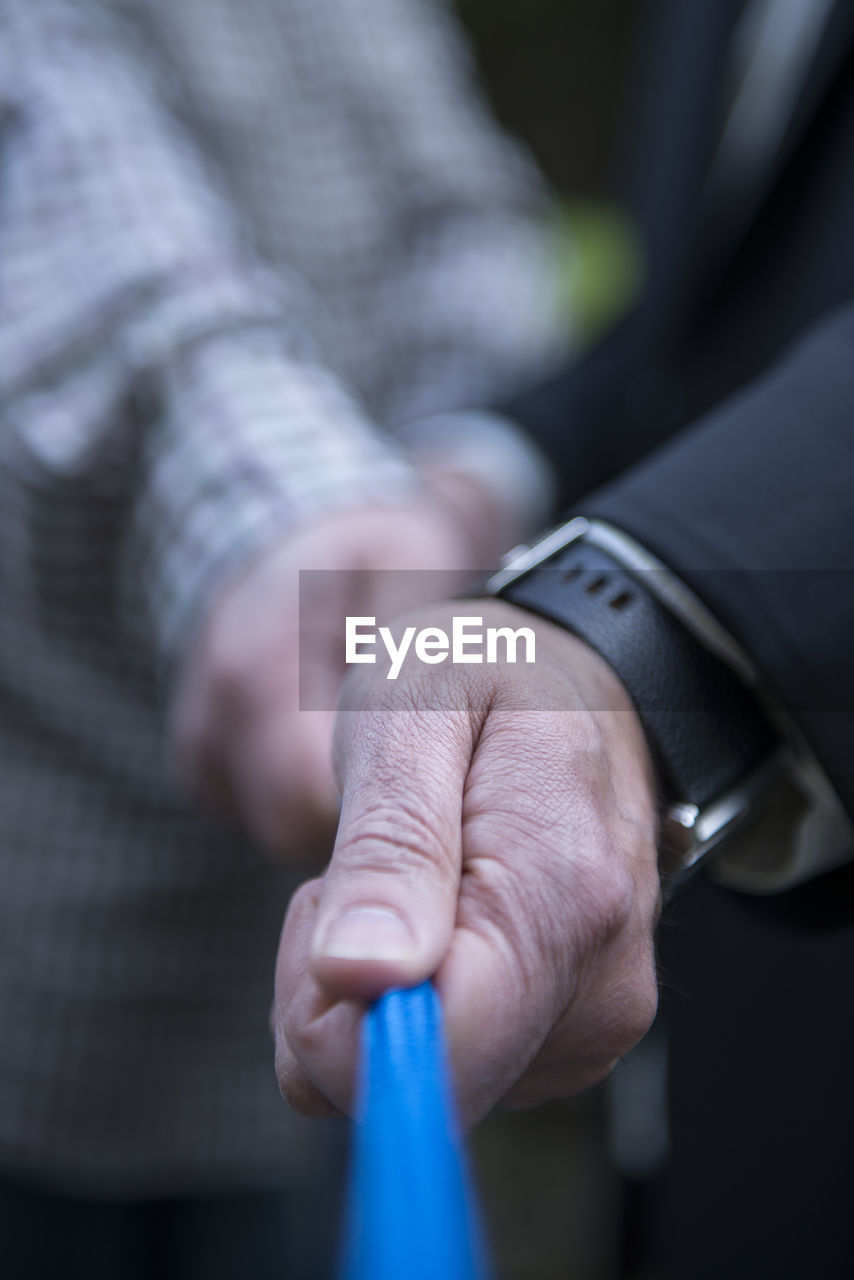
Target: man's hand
{"x": 498, "y": 833}
{"x": 241, "y": 735}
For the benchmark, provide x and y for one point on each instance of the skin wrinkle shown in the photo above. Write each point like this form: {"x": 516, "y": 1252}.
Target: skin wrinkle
{"x": 487, "y": 1072}
{"x": 372, "y": 764}
{"x": 486, "y": 1036}
{"x": 512, "y": 822}
{"x": 382, "y": 728}
{"x": 483, "y": 870}
{"x": 404, "y": 829}
{"x": 627, "y": 1025}
{"x": 630, "y": 1017}
{"x": 556, "y": 872}
{"x": 505, "y": 767}
{"x": 298, "y": 1091}
{"x": 495, "y": 924}
{"x": 631, "y": 1021}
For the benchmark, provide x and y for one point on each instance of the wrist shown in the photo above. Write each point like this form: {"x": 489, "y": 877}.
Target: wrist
{"x": 713, "y": 746}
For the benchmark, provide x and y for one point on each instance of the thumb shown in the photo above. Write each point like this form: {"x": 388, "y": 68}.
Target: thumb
{"x": 388, "y": 902}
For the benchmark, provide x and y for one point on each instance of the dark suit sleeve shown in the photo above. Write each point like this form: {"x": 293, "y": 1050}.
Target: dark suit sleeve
{"x": 754, "y": 508}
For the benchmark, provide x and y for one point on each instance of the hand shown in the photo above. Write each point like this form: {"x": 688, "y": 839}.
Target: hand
{"x": 490, "y": 525}
{"x": 492, "y": 477}
{"x": 241, "y": 735}
{"x": 498, "y": 832}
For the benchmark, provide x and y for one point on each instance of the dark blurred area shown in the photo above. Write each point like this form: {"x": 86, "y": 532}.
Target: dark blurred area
{"x": 557, "y": 74}
{"x": 561, "y": 77}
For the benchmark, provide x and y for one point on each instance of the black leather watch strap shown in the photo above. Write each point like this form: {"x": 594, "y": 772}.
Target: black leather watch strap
{"x": 706, "y": 728}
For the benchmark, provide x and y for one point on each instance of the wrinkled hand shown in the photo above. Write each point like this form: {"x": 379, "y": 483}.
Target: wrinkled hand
{"x": 241, "y": 736}
{"x": 498, "y": 831}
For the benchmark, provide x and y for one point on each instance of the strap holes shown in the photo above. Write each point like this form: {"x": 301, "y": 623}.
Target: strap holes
{"x": 571, "y": 574}
{"x": 621, "y": 601}
{"x": 595, "y": 586}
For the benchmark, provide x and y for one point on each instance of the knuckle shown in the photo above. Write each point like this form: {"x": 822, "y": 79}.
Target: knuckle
{"x": 565, "y": 1080}
{"x": 305, "y": 1038}
{"x": 400, "y": 834}
{"x": 595, "y": 1073}
{"x": 639, "y": 1018}
{"x": 633, "y": 1011}
{"x": 299, "y": 1092}
{"x": 614, "y": 900}
{"x": 299, "y": 1043}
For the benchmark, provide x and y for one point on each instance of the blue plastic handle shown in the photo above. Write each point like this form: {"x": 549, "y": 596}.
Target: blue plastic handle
{"x": 411, "y": 1212}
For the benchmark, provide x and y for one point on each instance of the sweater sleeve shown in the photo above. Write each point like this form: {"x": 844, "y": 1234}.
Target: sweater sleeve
{"x": 147, "y": 358}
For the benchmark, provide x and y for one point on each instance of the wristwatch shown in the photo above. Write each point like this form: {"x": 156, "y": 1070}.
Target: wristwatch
{"x": 716, "y": 751}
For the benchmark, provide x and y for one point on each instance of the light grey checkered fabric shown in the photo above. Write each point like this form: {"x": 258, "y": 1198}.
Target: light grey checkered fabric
{"x": 234, "y": 236}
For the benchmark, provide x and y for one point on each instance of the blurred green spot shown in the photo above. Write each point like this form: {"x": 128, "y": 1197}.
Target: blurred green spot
{"x": 599, "y": 264}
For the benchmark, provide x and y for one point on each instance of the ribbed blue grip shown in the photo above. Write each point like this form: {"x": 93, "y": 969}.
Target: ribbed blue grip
{"x": 411, "y": 1213}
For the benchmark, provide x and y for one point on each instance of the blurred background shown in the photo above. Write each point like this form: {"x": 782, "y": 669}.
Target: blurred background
{"x": 557, "y": 73}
